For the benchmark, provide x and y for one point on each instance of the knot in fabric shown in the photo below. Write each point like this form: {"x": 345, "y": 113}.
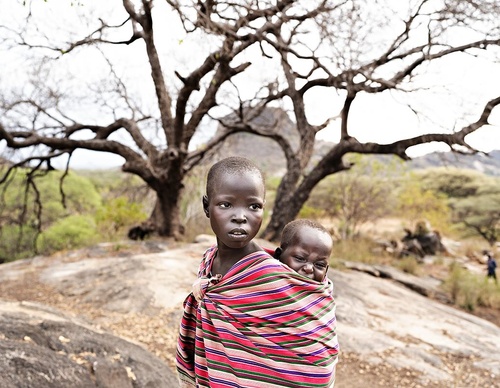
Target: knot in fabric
{"x": 201, "y": 284}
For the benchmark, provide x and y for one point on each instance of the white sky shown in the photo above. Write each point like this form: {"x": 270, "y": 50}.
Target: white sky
{"x": 378, "y": 118}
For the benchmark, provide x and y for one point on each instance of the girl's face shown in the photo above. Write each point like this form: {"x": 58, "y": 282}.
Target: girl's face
{"x": 308, "y": 253}
{"x": 236, "y": 208}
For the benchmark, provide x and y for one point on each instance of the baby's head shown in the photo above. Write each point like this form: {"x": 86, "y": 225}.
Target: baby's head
{"x": 306, "y": 247}
{"x": 234, "y": 201}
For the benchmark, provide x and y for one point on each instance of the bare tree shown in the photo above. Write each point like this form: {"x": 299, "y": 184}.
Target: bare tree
{"x": 352, "y": 47}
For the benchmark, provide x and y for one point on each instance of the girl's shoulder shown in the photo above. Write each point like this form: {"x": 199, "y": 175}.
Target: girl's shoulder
{"x": 206, "y": 261}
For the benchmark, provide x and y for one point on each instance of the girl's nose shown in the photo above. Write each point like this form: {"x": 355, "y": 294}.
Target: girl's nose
{"x": 239, "y": 216}
{"x": 308, "y": 268}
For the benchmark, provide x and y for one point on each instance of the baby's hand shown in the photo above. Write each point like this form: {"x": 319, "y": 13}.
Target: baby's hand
{"x": 200, "y": 286}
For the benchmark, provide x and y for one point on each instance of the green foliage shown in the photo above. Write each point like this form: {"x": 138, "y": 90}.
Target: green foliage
{"x": 354, "y": 197}
{"x": 358, "y": 249}
{"x": 117, "y": 201}
{"x": 480, "y": 214}
{"x": 58, "y": 198}
{"x": 272, "y": 183}
{"x": 417, "y": 203}
{"x": 468, "y": 290}
{"x": 454, "y": 183}
{"x": 31, "y": 203}
{"x": 473, "y": 197}
{"x": 17, "y": 242}
{"x": 77, "y": 195}
{"x": 116, "y": 215}
{"x": 68, "y": 233}
{"x": 408, "y": 265}
{"x": 310, "y": 212}
{"x": 473, "y": 200}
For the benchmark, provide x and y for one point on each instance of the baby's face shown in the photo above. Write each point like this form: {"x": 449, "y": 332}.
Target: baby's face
{"x": 308, "y": 253}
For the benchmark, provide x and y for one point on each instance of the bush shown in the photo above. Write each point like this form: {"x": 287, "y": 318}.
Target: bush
{"x": 16, "y": 242}
{"x": 69, "y": 233}
{"x": 38, "y": 203}
{"x": 358, "y": 249}
{"x": 408, "y": 265}
{"x": 468, "y": 290}
{"x": 311, "y": 213}
{"x": 117, "y": 215}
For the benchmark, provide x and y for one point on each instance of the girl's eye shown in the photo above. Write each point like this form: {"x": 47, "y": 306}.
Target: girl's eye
{"x": 255, "y": 206}
{"x": 299, "y": 259}
{"x": 224, "y": 205}
{"x": 320, "y": 265}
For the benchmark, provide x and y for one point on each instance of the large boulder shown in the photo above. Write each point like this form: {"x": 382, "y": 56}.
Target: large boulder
{"x": 43, "y": 347}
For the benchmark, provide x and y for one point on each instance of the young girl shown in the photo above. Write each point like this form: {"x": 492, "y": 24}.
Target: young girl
{"x": 250, "y": 321}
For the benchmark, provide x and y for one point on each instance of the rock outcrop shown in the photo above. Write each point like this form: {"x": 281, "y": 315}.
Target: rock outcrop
{"x": 43, "y": 347}
{"x": 88, "y": 306}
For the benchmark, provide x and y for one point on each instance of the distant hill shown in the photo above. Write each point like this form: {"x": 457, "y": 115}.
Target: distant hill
{"x": 487, "y": 164}
{"x": 270, "y": 158}
{"x": 265, "y": 152}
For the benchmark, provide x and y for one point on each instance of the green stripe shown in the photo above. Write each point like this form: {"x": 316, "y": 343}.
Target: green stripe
{"x": 257, "y": 376}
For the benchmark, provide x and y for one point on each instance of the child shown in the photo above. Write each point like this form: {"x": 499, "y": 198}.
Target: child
{"x": 491, "y": 266}
{"x": 250, "y": 321}
{"x": 305, "y": 247}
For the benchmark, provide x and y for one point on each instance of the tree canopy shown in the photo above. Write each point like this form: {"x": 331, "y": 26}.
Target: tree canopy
{"x": 139, "y": 79}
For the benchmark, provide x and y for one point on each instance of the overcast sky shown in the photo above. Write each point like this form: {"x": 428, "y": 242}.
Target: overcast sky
{"x": 378, "y": 118}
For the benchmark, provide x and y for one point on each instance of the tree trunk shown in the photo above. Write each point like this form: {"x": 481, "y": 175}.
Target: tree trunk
{"x": 165, "y": 217}
{"x": 289, "y": 201}
{"x": 291, "y": 195}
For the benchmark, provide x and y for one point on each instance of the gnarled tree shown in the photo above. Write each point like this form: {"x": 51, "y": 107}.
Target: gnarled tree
{"x": 353, "y": 48}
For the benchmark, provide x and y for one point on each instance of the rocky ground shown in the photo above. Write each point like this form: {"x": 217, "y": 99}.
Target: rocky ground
{"x": 390, "y": 335}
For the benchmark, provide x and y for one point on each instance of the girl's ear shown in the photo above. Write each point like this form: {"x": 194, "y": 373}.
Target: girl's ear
{"x": 277, "y": 253}
{"x": 204, "y": 200}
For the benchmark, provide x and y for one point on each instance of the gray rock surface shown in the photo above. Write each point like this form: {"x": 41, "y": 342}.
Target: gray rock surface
{"x": 42, "y": 347}
{"x": 380, "y": 320}
{"x": 389, "y": 323}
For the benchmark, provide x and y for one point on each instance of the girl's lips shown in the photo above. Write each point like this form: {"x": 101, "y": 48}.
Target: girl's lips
{"x": 238, "y": 234}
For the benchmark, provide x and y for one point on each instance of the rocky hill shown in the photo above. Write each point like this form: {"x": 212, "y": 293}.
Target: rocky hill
{"x": 269, "y": 156}
{"x": 487, "y": 164}
{"x": 108, "y": 317}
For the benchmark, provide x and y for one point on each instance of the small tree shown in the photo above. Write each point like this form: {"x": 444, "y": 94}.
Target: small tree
{"x": 474, "y": 199}
{"x": 21, "y": 218}
{"x": 415, "y": 203}
{"x": 116, "y": 215}
{"x": 480, "y": 214}
{"x": 69, "y": 233}
{"x": 354, "y": 198}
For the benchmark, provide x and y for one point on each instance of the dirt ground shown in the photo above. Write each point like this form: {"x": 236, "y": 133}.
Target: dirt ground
{"x": 157, "y": 331}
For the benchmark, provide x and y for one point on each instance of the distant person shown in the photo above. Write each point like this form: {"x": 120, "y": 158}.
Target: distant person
{"x": 305, "y": 247}
{"x": 491, "y": 265}
{"x": 250, "y": 321}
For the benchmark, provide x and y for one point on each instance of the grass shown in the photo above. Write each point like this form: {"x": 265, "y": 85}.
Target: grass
{"x": 469, "y": 291}
{"x": 361, "y": 250}
{"x": 409, "y": 265}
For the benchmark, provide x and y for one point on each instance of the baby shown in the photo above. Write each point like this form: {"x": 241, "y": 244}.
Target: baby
{"x": 305, "y": 247}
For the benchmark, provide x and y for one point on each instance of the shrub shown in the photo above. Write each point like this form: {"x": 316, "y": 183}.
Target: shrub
{"x": 69, "y": 233}
{"x": 16, "y": 242}
{"x": 408, "y": 265}
{"x": 116, "y": 215}
{"x": 468, "y": 290}
{"x": 358, "y": 249}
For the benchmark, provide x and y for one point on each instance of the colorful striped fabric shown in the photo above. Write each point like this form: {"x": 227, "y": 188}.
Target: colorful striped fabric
{"x": 261, "y": 325}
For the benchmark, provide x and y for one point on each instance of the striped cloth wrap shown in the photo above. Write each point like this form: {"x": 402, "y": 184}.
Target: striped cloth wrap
{"x": 261, "y": 325}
